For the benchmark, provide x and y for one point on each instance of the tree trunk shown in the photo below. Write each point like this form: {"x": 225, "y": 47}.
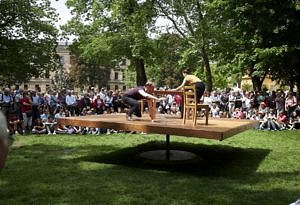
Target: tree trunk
{"x": 298, "y": 88}
{"x": 292, "y": 82}
{"x": 141, "y": 77}
{"x": 257, "y": 83}
{"x": 207, "y": 69}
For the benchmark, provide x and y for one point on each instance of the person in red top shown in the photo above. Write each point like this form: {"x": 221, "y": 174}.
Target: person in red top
{"x": 282, "y": 120}
{"x": 26, "y": 109}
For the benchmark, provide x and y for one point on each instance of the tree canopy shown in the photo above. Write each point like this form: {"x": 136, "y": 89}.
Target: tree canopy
{"x": 258, "y": 38}
{"x": 27, "y": 39}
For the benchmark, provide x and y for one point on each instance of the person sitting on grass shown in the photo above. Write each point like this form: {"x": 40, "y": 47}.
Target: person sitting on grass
{"x": 294, "y": 122}
{"x": 39, "y": 127}
{"x": 270, "y": 121}
{"x": 51, "y": 125}
{"x": 282, "y": 120}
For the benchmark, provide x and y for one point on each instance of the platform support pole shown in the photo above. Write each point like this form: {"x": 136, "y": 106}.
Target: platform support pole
{"x": 167, "y": 146}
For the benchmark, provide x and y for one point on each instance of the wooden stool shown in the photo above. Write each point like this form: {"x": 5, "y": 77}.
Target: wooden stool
{"x": 191, "y": 106}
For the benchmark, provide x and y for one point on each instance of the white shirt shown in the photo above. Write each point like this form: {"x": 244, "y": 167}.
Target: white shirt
{"x": 70, "y": 99}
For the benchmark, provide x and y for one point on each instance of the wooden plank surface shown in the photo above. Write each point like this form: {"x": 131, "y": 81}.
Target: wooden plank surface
{"x": 218, "y": 129}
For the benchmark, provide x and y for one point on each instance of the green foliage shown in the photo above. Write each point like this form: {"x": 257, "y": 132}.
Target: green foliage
{"x": 83, "y": 73}
{"x": 264, "y": 35}
{"x": 27, "y": 40}
{"x": 115, "y": 29}
{"x": 164, "y": 68}
{"x": 190, "y": 20}
{"x": 246, "y": 87}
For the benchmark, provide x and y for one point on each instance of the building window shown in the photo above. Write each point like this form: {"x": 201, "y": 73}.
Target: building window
{"x": 124, "y": 87}
{"x": 37, "y": 88}
{"x": 116, "y": 75}
{"x": 47, "y": 74}
{"x": 116, "y": 87}
{"x": 62, "y": 59}
{"x": 123, "y": 62}
{"x": 25, "y": 87}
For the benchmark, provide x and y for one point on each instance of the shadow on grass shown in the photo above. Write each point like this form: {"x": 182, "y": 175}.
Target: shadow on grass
{"x": 211, "y": 160}
{"x": 49, "y": 174}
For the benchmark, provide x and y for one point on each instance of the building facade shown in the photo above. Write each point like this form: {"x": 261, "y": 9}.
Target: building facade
{"x": 116, "y": 81}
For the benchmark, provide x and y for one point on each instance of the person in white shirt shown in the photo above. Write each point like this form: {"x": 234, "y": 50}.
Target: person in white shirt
{"x": 71, "y": 102}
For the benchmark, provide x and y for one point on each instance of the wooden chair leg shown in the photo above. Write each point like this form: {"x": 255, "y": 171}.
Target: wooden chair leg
{"x": 206, "y": 116}
{"x": 184, "y": 115}
{"x": 195, "y": 116}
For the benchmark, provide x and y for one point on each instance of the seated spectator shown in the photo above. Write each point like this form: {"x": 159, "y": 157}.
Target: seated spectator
{"x": 39, "y": 127}
{"x": 215, "y": 110}
{"x": 270, "y": 122}
{"x": 294, "y": 122}
{"x": 44, "y": 115}
{"x": 99, "y": 105}
{"x": 14, "y": 123}
{"x": 51, "y": 126}
{"x": 238, "y": 114}
{"x": 263, "y": 108}
{"x": 282, "y": 120}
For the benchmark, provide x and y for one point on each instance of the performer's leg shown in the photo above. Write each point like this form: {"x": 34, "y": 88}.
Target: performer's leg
{"x": 134, "y": 106}
{"x": 200, "y": 88}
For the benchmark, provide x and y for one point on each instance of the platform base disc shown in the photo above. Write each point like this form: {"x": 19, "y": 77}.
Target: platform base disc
{"x": 165, "y": 156}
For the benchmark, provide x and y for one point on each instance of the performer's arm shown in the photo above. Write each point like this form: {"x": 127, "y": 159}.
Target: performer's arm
{"x": 181, "y": 86}
{"x": 147, "y": 95}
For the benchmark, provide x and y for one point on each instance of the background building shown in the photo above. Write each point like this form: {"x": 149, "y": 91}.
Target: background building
{"x": 115, "y": 82}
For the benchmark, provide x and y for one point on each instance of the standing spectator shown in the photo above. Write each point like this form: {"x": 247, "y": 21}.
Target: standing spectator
{"x": 53, "y": 102}
{"x": 224, "y": 102}
{"x": 35, "y": 106}
{"x": 6, "y": 102}
{"x": 108, "y": 101}
{"x": 279, "y": 102}
{"x": 246, "y": 102}
{"x": 207, "y": 99}
{"x": 102, "y": 94}
{"x": 85, "y": 102}
{"x": 260, "y": 97}
{"x": 26, "y": 109}
{"x": 71, "y": 102}
{"x": 290, "y": 103}
{"x": 238, "y": 99}
{"x": 231, "y": 104}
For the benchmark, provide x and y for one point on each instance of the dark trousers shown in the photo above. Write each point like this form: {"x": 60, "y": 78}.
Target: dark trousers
{"x": 134, "y": 106}
{"x": 200, "y": 88}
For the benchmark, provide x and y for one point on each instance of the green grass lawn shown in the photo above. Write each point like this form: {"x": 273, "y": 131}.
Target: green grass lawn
{"x": 254, "y": 167}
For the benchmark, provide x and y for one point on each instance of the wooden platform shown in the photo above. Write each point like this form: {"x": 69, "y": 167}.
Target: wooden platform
{"x": 218, "y": 129}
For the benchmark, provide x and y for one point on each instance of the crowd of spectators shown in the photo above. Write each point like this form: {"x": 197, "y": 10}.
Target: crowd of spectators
{"x": 37, "y": 112}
